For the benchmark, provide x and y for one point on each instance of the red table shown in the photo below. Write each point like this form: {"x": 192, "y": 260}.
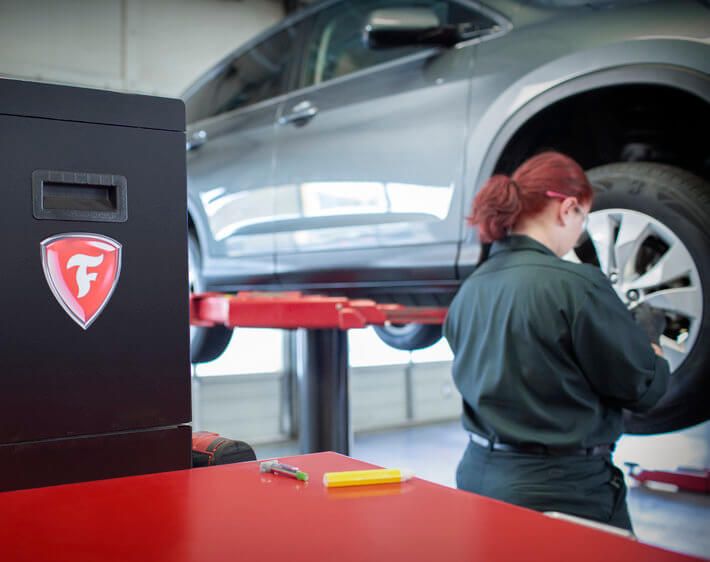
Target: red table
{"x": 235, "y": 513}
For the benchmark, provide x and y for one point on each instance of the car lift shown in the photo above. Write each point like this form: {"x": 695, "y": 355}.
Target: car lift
{"x": 322, "y": 351}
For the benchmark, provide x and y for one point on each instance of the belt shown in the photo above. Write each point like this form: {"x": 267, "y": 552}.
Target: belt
{"x": 537, "y": 449}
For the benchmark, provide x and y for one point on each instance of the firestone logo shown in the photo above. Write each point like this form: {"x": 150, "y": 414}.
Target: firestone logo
{"x": 82, "y": 271}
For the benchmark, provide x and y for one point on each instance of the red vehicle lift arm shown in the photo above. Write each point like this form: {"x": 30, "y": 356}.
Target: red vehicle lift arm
{"x": 290, "y": 310}
{"x": 688, "y": 479}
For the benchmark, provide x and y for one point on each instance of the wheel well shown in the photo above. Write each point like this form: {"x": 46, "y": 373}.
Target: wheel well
{"x": 626, "y": 123}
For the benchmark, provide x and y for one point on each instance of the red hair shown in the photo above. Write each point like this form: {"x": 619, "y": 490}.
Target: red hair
{"x": 503, "y": 200}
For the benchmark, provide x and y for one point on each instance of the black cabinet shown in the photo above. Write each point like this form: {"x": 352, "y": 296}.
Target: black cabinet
{"x": 94, "y": 330}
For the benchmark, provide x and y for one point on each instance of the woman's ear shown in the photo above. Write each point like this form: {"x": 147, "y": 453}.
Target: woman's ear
{"x": 566, "y": 209}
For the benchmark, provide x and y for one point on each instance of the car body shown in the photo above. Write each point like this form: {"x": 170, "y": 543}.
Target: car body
{"x": 320, "y": 163}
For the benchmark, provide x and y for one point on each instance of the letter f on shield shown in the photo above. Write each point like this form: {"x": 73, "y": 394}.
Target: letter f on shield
{"x": 82, "y": 271}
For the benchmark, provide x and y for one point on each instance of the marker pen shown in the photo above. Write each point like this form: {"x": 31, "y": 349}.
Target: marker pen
{"x": 366, "y": 477}
{"x": 278, "y": 468}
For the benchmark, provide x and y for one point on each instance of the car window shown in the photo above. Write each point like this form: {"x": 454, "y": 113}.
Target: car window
{"x": 257, "y": 75}
{"x": 336, "y": 46}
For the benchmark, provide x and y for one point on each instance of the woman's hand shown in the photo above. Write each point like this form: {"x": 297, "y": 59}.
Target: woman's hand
{"x": 657, "y": 350}
{"x": 651, "y": 320}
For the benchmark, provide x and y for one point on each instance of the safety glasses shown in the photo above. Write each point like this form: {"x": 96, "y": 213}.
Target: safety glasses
{"x": 577, "y": 208}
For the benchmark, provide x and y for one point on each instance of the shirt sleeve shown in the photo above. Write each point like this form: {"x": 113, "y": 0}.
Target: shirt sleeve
{"x": 615, "y": 354}
{"x": 447, "y": 329}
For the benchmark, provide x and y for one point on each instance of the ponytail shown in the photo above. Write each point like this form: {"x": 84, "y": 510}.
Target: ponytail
{"x": 496, "y": 208}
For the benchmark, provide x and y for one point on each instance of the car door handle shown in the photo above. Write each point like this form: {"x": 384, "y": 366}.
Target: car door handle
{"x": 300, "y": 114}
{"x": 198, "y": 138}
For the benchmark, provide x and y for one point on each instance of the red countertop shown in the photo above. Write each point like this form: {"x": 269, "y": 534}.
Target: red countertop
{"x": 234, "y": 512}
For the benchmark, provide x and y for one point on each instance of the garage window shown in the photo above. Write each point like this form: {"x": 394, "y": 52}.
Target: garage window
{"x": 366, "y": 349}
{"x": 250, "y": 351}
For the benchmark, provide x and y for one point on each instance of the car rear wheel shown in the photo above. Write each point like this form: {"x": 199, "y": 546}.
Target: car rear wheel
{"x": 206, "y": 344}
{"x": 409, "y": 336}
{"x": 648, "y": 232}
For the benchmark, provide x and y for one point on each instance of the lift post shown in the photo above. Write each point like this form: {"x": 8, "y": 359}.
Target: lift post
{"x": 322, "y": 347}
{"x": 324, "y": 405}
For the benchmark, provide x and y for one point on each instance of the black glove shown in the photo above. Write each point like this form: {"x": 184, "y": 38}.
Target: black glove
{"x": 651, "y": 320}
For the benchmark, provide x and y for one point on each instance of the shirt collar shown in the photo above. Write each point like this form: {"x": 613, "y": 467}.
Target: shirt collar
{"x": 519, "y": 242}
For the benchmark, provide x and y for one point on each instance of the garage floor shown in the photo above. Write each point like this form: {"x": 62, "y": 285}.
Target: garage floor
{"x": 675, "y": 520}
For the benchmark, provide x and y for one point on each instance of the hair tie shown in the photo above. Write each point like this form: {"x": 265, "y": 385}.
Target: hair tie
{"x": 515, "y": 185}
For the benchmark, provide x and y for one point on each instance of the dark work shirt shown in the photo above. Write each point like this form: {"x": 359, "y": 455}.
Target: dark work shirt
{"x": 545, "y": 351}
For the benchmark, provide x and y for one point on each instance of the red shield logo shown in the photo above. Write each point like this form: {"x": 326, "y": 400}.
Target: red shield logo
{"x": 82, "y": 271}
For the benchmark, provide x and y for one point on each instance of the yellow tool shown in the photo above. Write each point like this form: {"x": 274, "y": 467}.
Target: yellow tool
{"x": 366, "y": 477}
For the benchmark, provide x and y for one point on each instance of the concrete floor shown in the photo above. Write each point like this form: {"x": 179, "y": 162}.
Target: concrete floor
{"x": 678, "y": 521}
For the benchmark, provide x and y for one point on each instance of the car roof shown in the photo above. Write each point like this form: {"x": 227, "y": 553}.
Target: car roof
{"x": 489, "y": 6}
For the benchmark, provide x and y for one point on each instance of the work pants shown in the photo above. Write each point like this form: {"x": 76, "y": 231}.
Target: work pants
{"x": 586, "y": 486}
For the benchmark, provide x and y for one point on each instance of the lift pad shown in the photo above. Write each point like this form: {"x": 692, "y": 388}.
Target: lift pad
{"x": 688, "y": 479}
{"x": 290, "y": 310}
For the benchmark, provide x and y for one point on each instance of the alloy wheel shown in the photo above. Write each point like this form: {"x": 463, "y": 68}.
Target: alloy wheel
{"x": 647, "y": 263}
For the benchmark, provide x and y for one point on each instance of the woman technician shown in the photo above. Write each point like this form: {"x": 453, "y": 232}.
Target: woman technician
{"x": 545, "y": 353}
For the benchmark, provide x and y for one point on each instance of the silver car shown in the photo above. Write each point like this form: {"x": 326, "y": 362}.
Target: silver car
{"x": 339, "y": 152}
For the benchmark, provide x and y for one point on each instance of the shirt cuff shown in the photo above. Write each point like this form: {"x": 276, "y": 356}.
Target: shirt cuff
{"x": 656, "y": 389}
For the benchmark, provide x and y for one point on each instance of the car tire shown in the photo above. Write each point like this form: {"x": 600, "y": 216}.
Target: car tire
{"x": 409, "y": 337}
{"x": 206, "y": 344}
{"x": 674, "y": 205}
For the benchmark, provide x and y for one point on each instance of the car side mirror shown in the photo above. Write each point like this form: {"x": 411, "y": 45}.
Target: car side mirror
{"x": 401, "y": 27}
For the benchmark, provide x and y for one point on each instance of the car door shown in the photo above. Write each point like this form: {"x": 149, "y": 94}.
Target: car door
{"x": 369, "y": 154}
{"x": 231, "y": 144}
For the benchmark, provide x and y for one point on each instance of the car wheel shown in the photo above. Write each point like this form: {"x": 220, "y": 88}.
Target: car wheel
{"x": 206, "y": 344}
{"x": 648, "y": 232}
{"x": 409, "y": 336}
